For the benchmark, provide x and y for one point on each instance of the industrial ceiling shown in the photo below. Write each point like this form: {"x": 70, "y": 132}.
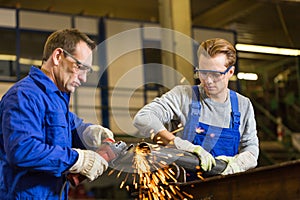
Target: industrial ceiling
{"x": 261, "y": 22}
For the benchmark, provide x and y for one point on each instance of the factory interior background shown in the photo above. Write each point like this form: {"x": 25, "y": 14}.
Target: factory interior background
{"x": 131, "y": 50}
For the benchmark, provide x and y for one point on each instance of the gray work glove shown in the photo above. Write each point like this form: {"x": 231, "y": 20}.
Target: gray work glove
{"x": 89, "y": 164}
{"x": 207, "y": 160}
{"x": 94, "y": 135}
{"x": 238, "y": 163}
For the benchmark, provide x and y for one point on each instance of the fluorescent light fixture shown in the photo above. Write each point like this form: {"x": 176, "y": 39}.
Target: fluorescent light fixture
{"x": 96, "y": 68}
{"x": 247, "y": 76}
{"x": 26, "y": 61}
{"x": 8, "y": 57}
{"x": 267, "y": 49}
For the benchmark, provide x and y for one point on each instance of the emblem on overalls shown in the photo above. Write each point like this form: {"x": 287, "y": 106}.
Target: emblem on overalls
{"x": 199, "y": 130}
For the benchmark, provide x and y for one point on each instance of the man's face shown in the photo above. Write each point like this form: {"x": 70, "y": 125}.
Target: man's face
{"x": 70, "y": 73}
{"x": 213, "y": 75}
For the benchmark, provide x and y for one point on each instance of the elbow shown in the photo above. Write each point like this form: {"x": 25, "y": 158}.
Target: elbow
{"x": 135, "y": 121}
{"x": 13, "y": 159}
{"x": 246, "y": 160}
{"x": 141, "y": 121}
{"x": 19, "y": 155}
{"x": 254, "y": 164}
{"x": 143, "y": 124}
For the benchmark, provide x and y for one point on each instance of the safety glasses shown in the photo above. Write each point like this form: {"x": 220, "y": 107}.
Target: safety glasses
{"x": 213, "y": 74}
{"x": 79, "y": 65}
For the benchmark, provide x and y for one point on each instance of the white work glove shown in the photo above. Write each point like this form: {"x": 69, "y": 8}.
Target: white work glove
{"x": 89, "y": 164}
{"x": 94, "y": 135}
{"x": 238, "y": 163}
{"x": 207, "y": 160}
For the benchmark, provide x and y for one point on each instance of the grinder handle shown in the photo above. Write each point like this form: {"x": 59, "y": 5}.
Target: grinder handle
{"x": 107, "y": 151}
{"x": 76, "y": 179}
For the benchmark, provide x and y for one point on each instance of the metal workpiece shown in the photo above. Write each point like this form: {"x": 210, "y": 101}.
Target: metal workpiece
{"x": 280, "y": 181}
{"x": 158, "y": 156}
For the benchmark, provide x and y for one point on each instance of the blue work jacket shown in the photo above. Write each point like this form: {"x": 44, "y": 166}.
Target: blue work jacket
{"x": 37, "y": 134}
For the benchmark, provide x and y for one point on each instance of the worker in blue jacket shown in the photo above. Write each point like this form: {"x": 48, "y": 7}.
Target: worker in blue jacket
{"x": 41, "y": 141}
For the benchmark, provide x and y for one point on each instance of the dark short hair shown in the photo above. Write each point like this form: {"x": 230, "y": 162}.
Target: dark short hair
{"x": 66, "y": 39}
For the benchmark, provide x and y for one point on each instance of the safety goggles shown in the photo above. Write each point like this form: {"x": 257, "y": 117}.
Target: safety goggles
{"x": 213, "y": 74}
{"x": 79, "y": 65}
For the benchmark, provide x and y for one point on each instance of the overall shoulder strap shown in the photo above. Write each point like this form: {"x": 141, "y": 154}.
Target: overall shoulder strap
{"x": 235, "y": 114}
{"x": 195, "y": 105}
{"x": 193, "y": 116}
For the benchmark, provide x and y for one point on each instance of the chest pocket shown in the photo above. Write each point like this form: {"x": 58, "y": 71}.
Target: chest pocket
{"x": 217, "y": 140}
{"x": 56, "y": 129}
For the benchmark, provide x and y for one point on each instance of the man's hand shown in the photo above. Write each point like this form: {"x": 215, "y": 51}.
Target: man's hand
{"x": 232, "y": 166}
{"x": 89, "y": 164}
{"x": 238, "y": 163}
{"x": 207, "y": 160}
{"x": 94, "y": 135}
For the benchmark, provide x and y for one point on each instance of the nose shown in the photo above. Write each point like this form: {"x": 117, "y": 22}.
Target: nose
{"x": 82, "y": 76}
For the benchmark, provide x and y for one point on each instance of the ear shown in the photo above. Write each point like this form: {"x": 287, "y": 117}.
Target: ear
{"x": 57, "y": 55}
{"x": 231, "y": 71}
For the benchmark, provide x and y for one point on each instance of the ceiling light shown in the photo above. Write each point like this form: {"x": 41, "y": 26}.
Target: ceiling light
{"x": 7, "y": 57}
{"x": 267, "y": 49}
{"x": 247, "y": 76}
{"x": 26, "y": 61}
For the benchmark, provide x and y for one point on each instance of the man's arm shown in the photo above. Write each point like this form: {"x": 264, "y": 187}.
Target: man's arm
{"x": 164, "y": 137}
{"x": 151, "y": 119}
{"x": 87, "y": 135}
